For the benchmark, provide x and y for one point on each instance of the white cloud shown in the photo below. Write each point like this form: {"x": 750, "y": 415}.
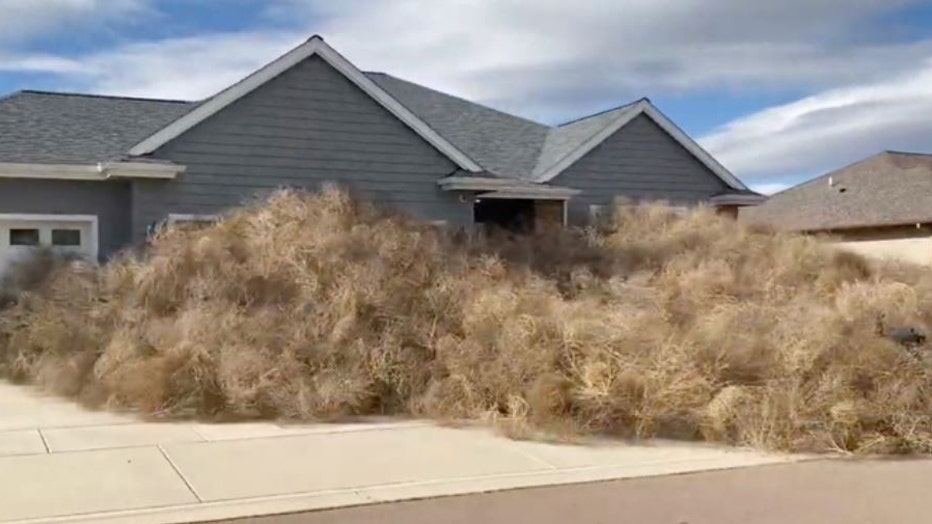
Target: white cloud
{"x": 24, "y": 19}
{"x": 186, "y": 68}
{"x": 829, "y": 129}
{"x": 543, "y": 59}
{"x": 534, "y": 57}
{"x": 540, "y": 59}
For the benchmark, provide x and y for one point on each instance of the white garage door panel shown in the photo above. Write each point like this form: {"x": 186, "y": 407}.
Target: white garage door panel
{"x": 20, "y": 235}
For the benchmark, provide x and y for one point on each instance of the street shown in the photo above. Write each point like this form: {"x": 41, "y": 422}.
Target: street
{"x": 824, "y": 492}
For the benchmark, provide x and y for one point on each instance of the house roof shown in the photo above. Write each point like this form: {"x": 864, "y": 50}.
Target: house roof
{"x": 564, "y": 139}
{"x": 891, "y": 188}
{"x": 69, "y": 128}
{"x": 62, "y": 128}
{"x": 503, "y": 144}
{"x": 513, "y": 147}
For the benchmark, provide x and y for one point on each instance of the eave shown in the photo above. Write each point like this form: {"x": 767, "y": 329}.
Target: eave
{"x": 91, "y": 172}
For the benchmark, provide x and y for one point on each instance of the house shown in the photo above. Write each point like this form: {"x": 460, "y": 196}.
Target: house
{"x": 880, "y": 207}
{"x": 93, "y": 173}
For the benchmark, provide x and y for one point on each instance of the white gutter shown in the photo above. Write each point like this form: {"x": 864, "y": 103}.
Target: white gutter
{"x": 737, "y": 200}
{"x": 503, "y": 187}
{"x": 520, "y": 194}
{"x": 140, "y": 170}
{"x": 51, "y": 171}
{"x": 86, "y": 172}
{"x": 468, "y": 183}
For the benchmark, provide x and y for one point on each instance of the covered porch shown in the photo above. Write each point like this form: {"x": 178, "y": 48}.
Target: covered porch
{"x": 513, "y": 205}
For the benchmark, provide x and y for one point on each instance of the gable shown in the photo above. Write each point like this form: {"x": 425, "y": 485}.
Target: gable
{"x": 314, "y": 47}
{"x": 642, "y": 161}
{"x": 310, "y": 111}
{"x": 307, "y": 127}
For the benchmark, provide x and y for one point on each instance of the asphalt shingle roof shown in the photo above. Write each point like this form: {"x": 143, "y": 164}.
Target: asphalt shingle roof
{"x": 43, "y": 127}
{"x": 61, "y": 128}
{"x": 564, "y": 139}
{"x": 503, "y": 144}
{"x": 891, "y": 188}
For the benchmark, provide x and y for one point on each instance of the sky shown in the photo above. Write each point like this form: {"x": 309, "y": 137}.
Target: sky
{"x": 778, "y": 91}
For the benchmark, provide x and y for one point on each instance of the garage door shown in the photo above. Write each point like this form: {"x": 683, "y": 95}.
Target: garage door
{"x": 22, "y": 234}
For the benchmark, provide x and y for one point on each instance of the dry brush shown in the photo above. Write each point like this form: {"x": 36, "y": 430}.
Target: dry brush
{"x": 318, "y": 307}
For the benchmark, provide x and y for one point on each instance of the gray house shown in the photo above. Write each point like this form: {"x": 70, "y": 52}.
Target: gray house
{"x": 93, "y": 173}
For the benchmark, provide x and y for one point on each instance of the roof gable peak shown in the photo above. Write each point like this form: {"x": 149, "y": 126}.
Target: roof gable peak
{"x": 315, "y": 46}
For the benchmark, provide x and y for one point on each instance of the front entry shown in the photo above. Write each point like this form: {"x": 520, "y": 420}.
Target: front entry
{"x": 519, "y": 215}
{"x": 515, "y": 215}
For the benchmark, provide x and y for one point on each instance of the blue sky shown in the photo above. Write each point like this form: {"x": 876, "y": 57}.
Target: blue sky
{"x": 778, "y": 91}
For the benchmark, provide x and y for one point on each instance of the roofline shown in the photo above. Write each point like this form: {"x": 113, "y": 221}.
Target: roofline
{"x": 737, "y": 199}
{"x": 460, "y": 98}
{"x": 314, "y": 46}
{"x": 906, "y": 153}
{"x": 511, "y": 185}
{"x": 644, "y": 107}
{"x": 875, "y": 225}
{"x": 91, "y": 172}
{"x": 528, "y": 194}
{"x": 108, "y": 97}
{"x": 600, "y": 113}
{"x": 831, "y": 173}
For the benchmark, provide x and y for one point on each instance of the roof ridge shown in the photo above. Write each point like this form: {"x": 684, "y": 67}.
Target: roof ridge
{"x": 462, "y": 99}
{"x": 907, "y": 153}
{"x": 600, "y": 113}
{"x": 581, "y": 140}
{"x": 832, "y": 173}
{"x": 109, "y": 97}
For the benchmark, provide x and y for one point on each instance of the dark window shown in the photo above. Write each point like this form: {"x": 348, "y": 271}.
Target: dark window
{"x": 66, "y": 237}
{"x": 515, "y": 215}
{"x": 24, "y": 237}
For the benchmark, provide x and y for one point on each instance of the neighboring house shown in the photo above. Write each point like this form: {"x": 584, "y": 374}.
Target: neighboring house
{"x": 94, "y": 173}
{"x": 880, "y": 207}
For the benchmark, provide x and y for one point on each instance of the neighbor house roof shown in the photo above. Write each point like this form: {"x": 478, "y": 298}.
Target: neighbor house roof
{"x": 54, "y": 128}
{"x": 892, "y": 188}
{"x": 63, "y": 128}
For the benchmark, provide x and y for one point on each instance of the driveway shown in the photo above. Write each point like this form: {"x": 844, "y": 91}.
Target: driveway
{"x": 60, "y": 463}
{"x": 830, "y": 492}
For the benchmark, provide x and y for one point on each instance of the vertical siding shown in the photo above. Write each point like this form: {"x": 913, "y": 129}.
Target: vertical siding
{"x": 308, "y": 126}
{"x": 109, "y": 201}
{"x": 641, "y": 162}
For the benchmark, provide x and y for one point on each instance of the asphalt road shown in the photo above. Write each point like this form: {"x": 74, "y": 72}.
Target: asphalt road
{"x": 825, "y": 492}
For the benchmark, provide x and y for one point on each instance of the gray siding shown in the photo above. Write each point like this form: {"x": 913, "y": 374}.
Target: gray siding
{"x": 641, "y": 162}
{"x": 310, "y": 125}
{"x": 110, "y": 201}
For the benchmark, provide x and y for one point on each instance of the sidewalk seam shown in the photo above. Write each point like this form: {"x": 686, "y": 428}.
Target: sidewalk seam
{"x": 178, "y": 472}
{"x": 45, "y": 443}
{"x": 528, "y": 455}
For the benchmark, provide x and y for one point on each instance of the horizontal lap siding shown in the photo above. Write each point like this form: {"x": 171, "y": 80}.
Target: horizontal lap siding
{"x": 641, "y": 162}
{"x": 109, "y": 201}
{"x": 308, "y": 126}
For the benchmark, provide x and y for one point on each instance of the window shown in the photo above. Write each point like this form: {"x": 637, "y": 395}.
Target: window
{"x": 24, "y": 237}
{"x": 66, "y": 237}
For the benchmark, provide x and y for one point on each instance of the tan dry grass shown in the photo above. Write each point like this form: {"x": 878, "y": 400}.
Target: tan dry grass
{"x": 317, "y": 307}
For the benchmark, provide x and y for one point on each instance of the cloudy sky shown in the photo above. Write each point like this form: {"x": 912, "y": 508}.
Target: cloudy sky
{"x": 778, "y": 91}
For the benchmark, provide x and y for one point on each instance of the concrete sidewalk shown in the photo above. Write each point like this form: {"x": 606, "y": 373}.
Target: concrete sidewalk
{"x": 59, "y": 463}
